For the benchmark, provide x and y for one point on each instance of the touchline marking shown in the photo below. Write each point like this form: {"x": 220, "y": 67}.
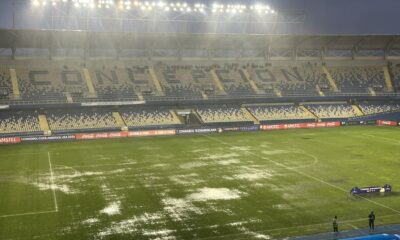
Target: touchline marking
{"x": 346, "y": 222}
{"x": 52, "y": 183}
{"x": 390, "y": 140}
{"x": 353, "y": 226}
{"x": 304, "y": 174}
{"x": 26, "y": 214}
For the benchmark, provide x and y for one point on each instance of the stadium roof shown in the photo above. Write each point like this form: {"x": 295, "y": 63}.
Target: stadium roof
{"x": 82, "y": 39}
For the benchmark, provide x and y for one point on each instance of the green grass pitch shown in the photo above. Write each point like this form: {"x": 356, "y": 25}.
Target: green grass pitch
{"x": 263, "y": 185}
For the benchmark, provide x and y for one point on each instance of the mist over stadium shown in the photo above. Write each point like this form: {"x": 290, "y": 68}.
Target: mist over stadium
{"x": 165, "y": 120}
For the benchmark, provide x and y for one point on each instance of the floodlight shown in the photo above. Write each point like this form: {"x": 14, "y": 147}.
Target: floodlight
{"x": 36, "y": 2}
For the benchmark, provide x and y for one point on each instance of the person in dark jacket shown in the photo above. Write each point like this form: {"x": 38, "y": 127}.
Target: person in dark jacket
{"x": 335, "y": 224}
{"x": 371, "y": 220}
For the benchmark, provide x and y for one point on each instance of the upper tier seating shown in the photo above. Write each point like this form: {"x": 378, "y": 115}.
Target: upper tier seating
{"x": 178, "y": 81}
{"x": 19, "y": 122}
{"x": 278, "y": 112}
{"x": 299, "y": 80}
{"x": 233, "y": 80}
{"x": 339, "y": 110}
{"x": 5, "y": 84}
{"x": 218, "y": 113}
{"x": 358, "y": 79}
{"x": 148, "y": 117}
{"x": 49, "y": 84}
{"x": 81, "y": 119}
{"x": 115, "y": 84}
{"x": 373, "y": 108}
{"x": 395, "y": 72}
{"x": 122, "y": 81}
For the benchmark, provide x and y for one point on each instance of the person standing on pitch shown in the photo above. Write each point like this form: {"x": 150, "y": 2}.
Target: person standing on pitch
{"x": 371, "y": 220}
{"x": 335, "y": 224}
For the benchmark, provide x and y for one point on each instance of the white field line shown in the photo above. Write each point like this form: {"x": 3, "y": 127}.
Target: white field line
{"x": 328, "y": 223}
{"x": 100, "y": 165}
{"x": 351, "y": 225}
{"x": 52, "y": 183}
{"x": 303, "y": 174}
{"x": 386, "y": 139}
{"x": 18, "y": 154}
{"x": 26, "y": 214}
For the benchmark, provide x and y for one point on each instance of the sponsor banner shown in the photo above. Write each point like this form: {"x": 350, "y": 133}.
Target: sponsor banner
{"x": 81, "y": 136}
{"x": 299, "y": 125}
{"x": 250, "y": 128}
{"x": 199, "y": 130}
{"x": 105, "y": 135}
{"x": 242, "y": 129}
{"x": 10, "y": 140}
{"x": 230, "y": 129}
{"x": 386, "y": 123}
{"x": 47, "y": 138}
{"x": 166, "y": 132}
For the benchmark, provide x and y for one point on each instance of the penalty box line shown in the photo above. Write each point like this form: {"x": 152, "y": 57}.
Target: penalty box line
{"x": 27, "y": 214}
{"x": 54, "y": 196}
{"x": 53, "y": 187}
{"x": 302, "y": 173}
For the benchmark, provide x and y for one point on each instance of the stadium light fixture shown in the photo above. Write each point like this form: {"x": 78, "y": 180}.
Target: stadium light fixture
{"x": 162, "y": 5}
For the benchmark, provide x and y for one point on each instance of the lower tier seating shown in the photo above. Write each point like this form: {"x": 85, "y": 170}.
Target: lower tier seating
{"x": 81, "y": 119}
{"x": 148, "y": 117}
{"x": 19, "y": 122}
{"x": 278, "y": 112}
{"x": 339, "y": 110}
{"x": 216, "y": 114}
{"x": 373, "y": 108}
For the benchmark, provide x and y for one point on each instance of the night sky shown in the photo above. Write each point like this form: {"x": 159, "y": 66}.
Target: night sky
{"x": 322, "y": 16}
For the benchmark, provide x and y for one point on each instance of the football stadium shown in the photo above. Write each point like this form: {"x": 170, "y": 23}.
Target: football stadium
{"x": 203, "y": 120}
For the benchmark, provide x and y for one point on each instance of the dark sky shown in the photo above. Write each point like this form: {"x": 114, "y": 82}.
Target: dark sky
{"x": 322, "y": 16}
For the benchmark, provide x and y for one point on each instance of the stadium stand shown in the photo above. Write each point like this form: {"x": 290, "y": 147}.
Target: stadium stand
{"x": 19, "y": 122}
{"x": 81, "y": 119}
{"x": 142, "y": 118}
{"x": 112, "y": 84}
{"x": 178, "y": 81}
{"x": 233, "y": 80}
{"x": 332, "y": 110}
{"x": 5, "y": 84}
{"x": 302, "y": 80}
{"x": 395, "y": 73}
{"x": 373, "y": 108}
{"x": 222, "y": 113}
{"x": 356, "y": 79}
{"x": 278, "y": 112}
